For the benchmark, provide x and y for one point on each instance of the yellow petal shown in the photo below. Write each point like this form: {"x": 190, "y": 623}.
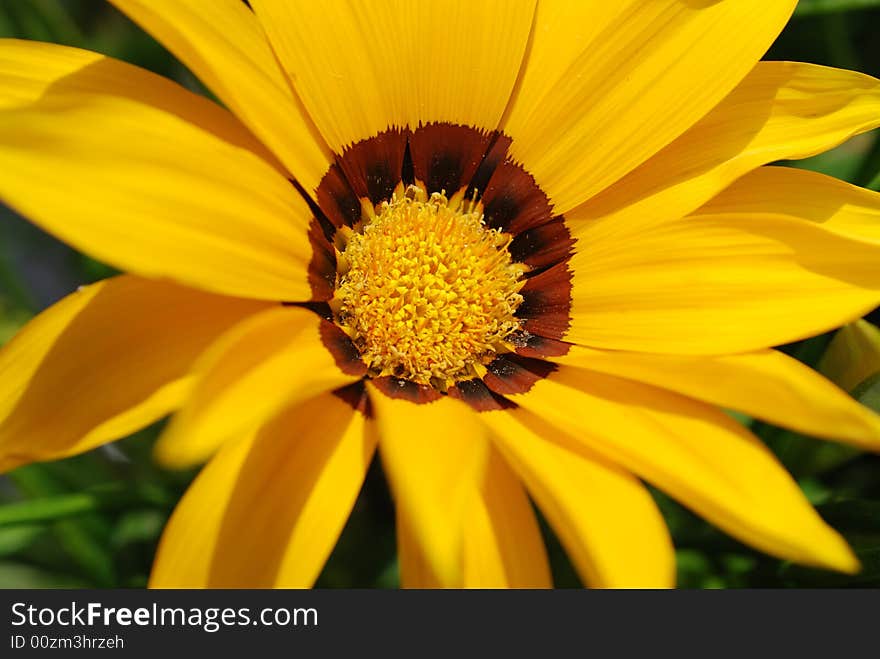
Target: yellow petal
{"x": 138, "y": 172}
{"x": 694, "y": 452}
{"x": 781, "y": 110}
{"x": 276, "y": 358}
{"x": 502, "y": 543}
{"x": 716, "y": 284}
{"x": 361, "y": 68}
{"x": 222, "y": 42}
{"x": 267, "y": 510}
{"x": 839, "y": 207}
{"x": 105, "y": 361}
{"x": 853, "y": 355}
{"x": 433, "y": 455}
{"x": 608, "y": 84}
{"x": 604, "y": 517}
{"x": 415, "y": 571}
{"x": 767, "y": 384}
{"x": 503, "y": 547}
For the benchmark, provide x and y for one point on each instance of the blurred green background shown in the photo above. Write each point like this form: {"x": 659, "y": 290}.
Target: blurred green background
{"x": 94, "y": 520}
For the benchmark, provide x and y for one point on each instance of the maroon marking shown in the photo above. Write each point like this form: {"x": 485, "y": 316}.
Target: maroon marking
{"x": 512, "y": 374}
{"x": 513, "y": 202}
{"x": 344, "y": 352}
{"x": 543, "y": 246}
{"x": 321, "y": 309}
{"x": 337, "y": 200}
{"x": 546, "y": 305}
{"x": 445, "y": 156}
{"x": 373, "y": 167}
{"x": 540, "y": 347}
{"x": 406, "y": 390}
{"x": 356, "y": 396}
{"x": 476, "y": 394}
{"x": 322, "y": 266}
{"x": 408, "y": 174}
{"x": 494, "y": 157}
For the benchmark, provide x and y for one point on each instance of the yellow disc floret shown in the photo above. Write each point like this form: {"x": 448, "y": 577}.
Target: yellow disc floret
{"x": 426, "y": 290}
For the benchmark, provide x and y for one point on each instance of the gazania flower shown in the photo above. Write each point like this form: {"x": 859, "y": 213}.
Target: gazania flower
{"x": 526, "y": 249}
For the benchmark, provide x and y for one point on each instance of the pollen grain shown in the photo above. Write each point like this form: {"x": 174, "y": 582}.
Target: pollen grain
{"x": 426, "y": 291}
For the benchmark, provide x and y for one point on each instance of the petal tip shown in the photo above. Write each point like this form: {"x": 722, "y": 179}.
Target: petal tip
{"x": 171, "y": 454}
{"x": 836, "y": 554}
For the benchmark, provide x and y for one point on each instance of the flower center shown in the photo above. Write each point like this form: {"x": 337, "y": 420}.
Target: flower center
{"x": 426, "y": 291}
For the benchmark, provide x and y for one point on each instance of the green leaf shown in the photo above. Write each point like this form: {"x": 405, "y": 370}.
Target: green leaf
{"x": 109, "y": 497}
{"x": 83, "y": 539}
{"x": 805, "y": 456}
{"x": 389, "y": 578}
{"x": 815, "y": 491}
{"x": 6, "y": 27}
{"x": 854, "y": 516}
{"x": 48, "y": 509}
{"x": 840, "y": 162}
{"x": 78, "y": 519}
{"x": 869, "y": 169}
{"x": 95, "y": 270}
{"x": 55, "y": 14}
{"x": 44, "y": 20}
{"x": 138, "y": 526}
{"x": 693, "y": 569}
{"x": 874, "y": 183}
{"x": 10, "y": 322}
{"x": 815, "y": 7}
{"x": 15, "y": 293}
{"x": 18, "y": 538}
{"x": 868, "y": 392}
{"x": 20, "y": 575}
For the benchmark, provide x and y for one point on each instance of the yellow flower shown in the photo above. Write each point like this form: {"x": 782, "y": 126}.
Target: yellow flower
{"x": 523, "y": 248}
